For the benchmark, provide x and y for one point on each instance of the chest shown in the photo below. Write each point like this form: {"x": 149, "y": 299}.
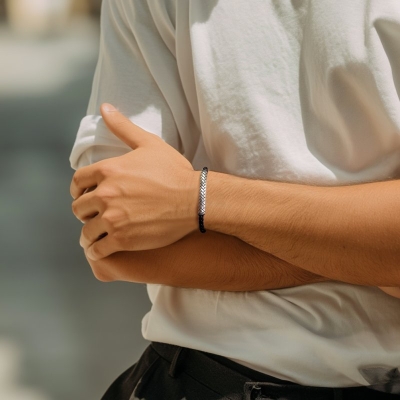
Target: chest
{"x": 282, "y": 84}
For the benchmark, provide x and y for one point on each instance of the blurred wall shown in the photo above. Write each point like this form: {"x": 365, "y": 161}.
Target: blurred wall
{"x": 63, "y": 334}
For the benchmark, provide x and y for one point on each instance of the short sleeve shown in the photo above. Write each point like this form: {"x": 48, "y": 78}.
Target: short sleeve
{"x": 136, "y": 72}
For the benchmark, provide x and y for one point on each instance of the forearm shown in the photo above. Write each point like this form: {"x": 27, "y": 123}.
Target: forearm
{"x": 212, "y": 261}
{"x": 345, "y": 233}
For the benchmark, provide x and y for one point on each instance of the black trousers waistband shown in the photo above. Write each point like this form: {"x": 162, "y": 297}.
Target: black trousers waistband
{"x": 239, "y": 382}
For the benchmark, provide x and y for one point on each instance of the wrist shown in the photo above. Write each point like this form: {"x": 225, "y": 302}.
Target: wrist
{"x": 191, "y": 200}
{"x": 234, "y": 207}
{"x": 223, "y": 193}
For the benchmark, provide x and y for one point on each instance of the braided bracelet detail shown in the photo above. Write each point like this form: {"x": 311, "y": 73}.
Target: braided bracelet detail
{"x": 202, "y": 198}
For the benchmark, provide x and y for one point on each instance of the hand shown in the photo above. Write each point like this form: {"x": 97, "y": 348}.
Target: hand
{"x": 142, "y": 200}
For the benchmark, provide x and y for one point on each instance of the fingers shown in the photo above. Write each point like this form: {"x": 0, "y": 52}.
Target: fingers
{"x": 85, "y": 177}
{"x": 123, "y": 128}
{"x": 86, "y": 206}
{"x": 101, "y": 248}
{"x": 92, "y": 231}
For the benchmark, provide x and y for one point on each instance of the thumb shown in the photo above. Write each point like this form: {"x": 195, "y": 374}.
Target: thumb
{"x": 122, "y": 127}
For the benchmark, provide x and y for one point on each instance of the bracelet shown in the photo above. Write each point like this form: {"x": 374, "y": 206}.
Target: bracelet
{"x": 202, "y": 199}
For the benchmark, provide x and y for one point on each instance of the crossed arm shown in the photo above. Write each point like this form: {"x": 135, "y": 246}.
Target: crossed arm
{"x": 213, "y": 261}
{"x": 261, "y": 234}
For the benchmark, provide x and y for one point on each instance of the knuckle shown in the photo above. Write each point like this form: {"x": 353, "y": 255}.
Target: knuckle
{"x": 75, "y": 178}
{"x": 84, "y": 232}
{"x": 105, "y": 169}
{"x": 74, "y": 207}
{"x": 110, "y": 218}
{"x": 103, "y": 194}
{"x": 96, "y": 252}
{"x": 100, "y": 200}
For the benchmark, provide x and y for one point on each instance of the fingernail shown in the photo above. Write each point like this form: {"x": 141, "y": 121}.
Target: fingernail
{"x": 109, "y": 107}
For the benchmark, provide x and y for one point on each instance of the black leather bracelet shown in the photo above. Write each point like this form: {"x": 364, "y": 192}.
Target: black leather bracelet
{"x": 202, "y": 199}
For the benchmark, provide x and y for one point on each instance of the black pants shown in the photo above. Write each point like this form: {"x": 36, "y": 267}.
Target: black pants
{"x": 166, "y": 372}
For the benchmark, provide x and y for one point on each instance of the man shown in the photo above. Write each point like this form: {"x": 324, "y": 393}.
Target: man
{"x": 298, "y": 122}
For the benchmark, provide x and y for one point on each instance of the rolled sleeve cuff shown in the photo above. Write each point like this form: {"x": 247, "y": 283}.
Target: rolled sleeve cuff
{"x": 93, "y": 133}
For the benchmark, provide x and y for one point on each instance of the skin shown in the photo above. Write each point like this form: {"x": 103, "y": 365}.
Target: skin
{"x": 347, "y": 233}
{"x": 344, "y": 233}
{"x": 213, "y": 261}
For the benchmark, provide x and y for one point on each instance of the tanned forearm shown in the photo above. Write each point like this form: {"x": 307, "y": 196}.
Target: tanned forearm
{"x": 213, "y": 261}
{"x": 345, "y": 233}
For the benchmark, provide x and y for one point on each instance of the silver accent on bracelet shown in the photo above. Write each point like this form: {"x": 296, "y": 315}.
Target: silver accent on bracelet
{"x": 202, "y": 199}
{"x": 202, "y": 193}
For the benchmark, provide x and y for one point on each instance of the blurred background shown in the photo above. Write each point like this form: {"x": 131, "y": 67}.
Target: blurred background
{"x": 63, "y": 334}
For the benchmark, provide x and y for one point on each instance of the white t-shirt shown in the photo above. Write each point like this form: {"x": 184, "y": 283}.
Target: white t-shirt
{"x": 300, "y": 91}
